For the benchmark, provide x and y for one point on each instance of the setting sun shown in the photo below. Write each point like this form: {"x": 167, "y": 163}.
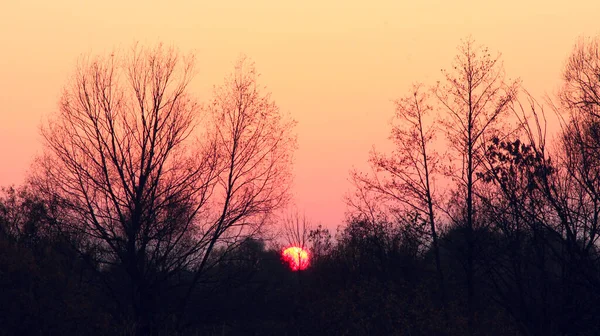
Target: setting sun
{"x": 296, "y": 257}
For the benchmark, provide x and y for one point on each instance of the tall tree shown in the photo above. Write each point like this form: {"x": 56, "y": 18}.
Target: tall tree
{"x": 473, "y": 97}
{"x": 255, "y": 144}
{"x": 121, "y": 161}
{"x": 405, "y": 180}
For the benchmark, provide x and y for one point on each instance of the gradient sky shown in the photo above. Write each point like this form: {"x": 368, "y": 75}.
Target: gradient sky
{"x": 334, "y": 65}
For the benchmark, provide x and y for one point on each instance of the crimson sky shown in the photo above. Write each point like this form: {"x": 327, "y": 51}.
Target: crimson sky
{"x": 335, "y": 65}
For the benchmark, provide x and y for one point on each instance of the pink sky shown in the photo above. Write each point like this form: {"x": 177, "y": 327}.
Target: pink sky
{"x": 334, "y": 65}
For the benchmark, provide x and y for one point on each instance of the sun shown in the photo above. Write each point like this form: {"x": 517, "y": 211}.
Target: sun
{"x": 296, "y": 257}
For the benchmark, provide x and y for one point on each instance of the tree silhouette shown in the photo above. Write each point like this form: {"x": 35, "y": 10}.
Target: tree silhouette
{"x": 474, "y": 97}
{"x": 120, "y": 162}
{"x": 405, "y": 180}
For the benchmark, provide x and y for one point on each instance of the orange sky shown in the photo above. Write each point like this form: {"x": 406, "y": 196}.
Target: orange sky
{"x": 334, "y": 65}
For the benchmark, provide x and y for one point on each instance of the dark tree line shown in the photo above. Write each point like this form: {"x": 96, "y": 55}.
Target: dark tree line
{"x": 149, "y": 213}
{"x": 518, "y": 214}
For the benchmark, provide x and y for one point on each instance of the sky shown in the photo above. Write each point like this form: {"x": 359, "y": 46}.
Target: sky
{"x": 334, "y": 65}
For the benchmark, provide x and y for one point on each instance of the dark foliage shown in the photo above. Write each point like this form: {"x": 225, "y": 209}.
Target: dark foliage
{"x": 378, "y": 279}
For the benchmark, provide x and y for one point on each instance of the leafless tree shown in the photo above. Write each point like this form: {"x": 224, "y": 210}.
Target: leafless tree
{"x": 581, "y": 85}
{"x": 121, "y": 161}
{"x": 545, "y": 204}
{"x": 405, "y": 180}
{"x": 296, "y": 229}
{"x": 255, "y": 143}
{"x": 473, "y": 97}
{"x": 574, "y": 193}
{"x": 564, "y": 188}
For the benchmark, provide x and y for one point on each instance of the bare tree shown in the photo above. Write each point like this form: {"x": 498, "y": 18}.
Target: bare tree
{"x": 405, "y": 180}
{"x": 581, "y": 86}
{"x": 564, "y": 185}
{"x": 516, "y": 262}
{"x": 574, "y": 193}
{"x": 296, "y": 229}
{"x": 545, "y": 204}
{"x": 473, "y": 97}
{"x": 120, "y": 160}
{"x": 255, "y": 143}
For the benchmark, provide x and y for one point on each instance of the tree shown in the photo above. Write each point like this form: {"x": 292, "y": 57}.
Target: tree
{"x": 579, "y": 103}
{"x": 516, "y": 261}
{"x": 23, "y": 216}
{"x": 45, "y": 284}
{"x": 255, "y": 143}
{"x": 320, "y": 242}
{"x": 474, "y": 97}
{"x": 581, "y": 76}
{"x": 296, "y": 229}
{"x": 120, "y": 161}
{"x": 405, "y": 180}
{"x": 546, "y": 207}
{"x": 543, "y": 206}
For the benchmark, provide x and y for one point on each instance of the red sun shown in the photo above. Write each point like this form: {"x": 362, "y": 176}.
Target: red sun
{"x": 296, "y": 257}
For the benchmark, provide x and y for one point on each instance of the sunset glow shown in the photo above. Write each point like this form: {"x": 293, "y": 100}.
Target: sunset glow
{"x": 335, "y": 66}
{"x": 309, "y": 167}
{"x": 296, "y": 257}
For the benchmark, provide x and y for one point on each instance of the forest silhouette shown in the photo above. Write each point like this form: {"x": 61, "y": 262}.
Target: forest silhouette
{"x": 149, "y": 213}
